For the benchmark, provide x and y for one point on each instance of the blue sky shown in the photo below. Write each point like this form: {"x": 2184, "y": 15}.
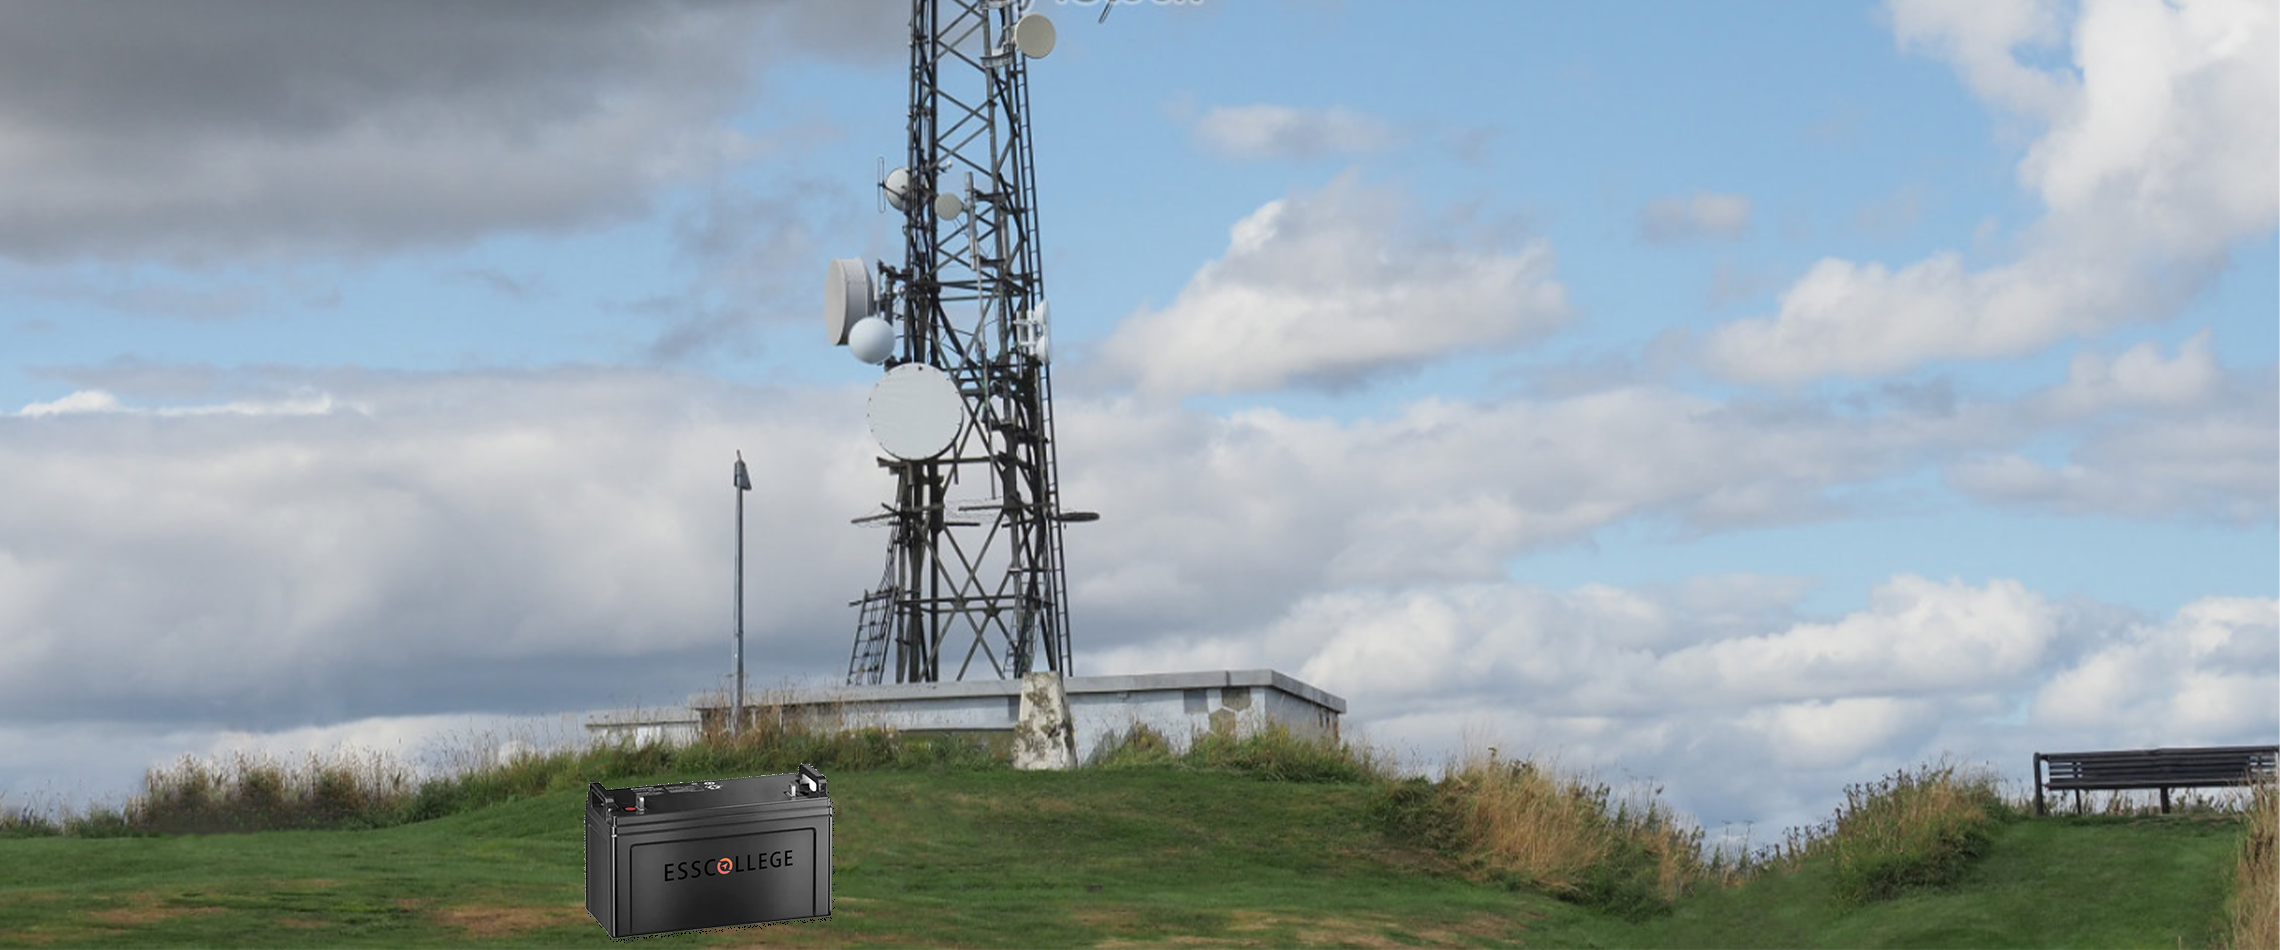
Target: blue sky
{"x": 1832, "y": 384}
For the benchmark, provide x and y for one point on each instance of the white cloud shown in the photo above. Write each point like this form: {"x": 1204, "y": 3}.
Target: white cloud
{"x": 98, "y": 401}
{"x": 86, "y": 400}
{"x": 543, "y": 533}
{"x": 1703, "y": 214}
{"x": 1978, "y": 39}
{"x": 2207, "y": 675}
{"x": 395, "y": 539}
{"x": 1917, "y": 636}
{"x": 1281, "y": 132}
{"x": 518, "y": 542}
{"x": 1331, "y": 289}
{"x": 2190, "y": 441}
{"x": 1648, "y": 682}
{"x": 2154, "y": 163}
{"x": 2139, "y": 377}
{"x": 1206, "y": 517}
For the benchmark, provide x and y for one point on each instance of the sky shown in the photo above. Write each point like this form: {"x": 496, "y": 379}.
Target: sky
{"x": 1748, "y": 399}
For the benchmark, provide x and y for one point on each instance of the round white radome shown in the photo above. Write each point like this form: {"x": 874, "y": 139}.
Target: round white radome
{"x": 871, "y": 339}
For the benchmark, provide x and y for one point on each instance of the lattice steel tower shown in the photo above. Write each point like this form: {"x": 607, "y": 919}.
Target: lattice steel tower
{"x": 973, "y": 583}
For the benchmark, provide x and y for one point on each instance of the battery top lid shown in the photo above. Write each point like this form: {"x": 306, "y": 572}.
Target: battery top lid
{"x": 710, "y": 793}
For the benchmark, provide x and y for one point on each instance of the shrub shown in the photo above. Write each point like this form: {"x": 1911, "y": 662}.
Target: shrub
{"x": 1912, "y": 830}
{"x": 1526, "y": 825}
{"x": 1138, "y": 747}
{"x": 1274, "y": 754}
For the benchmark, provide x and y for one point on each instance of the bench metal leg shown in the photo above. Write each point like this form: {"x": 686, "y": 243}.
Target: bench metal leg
{"x": 2165, "y": 801}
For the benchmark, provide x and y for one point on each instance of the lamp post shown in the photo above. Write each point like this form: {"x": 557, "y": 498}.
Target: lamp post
{"x": 743, "y": 484}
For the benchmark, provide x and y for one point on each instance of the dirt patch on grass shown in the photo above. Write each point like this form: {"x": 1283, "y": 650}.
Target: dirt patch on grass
{"x": 40, "y": 936}
{"x": 1488, "y": 927}
{"x": 792, "y": 933}
{"x": 1255, "y": 928}
{"x": 477, "y": 920}
{"x": 1314, "y": 930}
{"x": 144, "y": 907}
{"x": 301, "y": 923}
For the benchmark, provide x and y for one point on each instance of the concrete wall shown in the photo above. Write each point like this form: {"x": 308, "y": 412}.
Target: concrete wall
{"x": 1178, "y": 705}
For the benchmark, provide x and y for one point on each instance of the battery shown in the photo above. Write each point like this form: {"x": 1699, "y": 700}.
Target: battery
{"x": 719, "y": 853}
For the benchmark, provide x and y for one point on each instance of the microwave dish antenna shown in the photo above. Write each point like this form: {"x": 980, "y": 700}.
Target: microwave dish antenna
{"x": 847, "y": 298}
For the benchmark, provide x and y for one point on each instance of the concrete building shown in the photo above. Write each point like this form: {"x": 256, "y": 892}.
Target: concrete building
{"x": 1178, "y": 705}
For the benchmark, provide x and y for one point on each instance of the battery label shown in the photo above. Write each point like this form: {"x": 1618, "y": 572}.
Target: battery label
{"x": 723, "y": 882}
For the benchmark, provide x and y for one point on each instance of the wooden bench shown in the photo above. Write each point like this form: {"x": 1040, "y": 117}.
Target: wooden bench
{"x": 2163, "y": 769}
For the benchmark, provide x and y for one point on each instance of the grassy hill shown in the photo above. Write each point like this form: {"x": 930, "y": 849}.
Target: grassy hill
{"x": 1168, "y": 852}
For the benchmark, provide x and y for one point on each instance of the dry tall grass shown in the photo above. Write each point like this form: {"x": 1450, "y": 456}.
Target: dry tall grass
{"x": 243, "y": 791}
{"x": 1529, "y": 825}
{"x": 2255, "y": 903}
{"x": 251, "y": 791}
{"x": 1271, "y": 753}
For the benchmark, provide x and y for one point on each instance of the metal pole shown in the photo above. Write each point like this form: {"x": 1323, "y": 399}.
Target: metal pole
{"x": 743, "y": 484}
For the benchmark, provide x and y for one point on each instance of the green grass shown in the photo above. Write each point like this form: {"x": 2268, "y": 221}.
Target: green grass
{"x": 1260, "y": 841}
{"x": 1132, "y": 856}
{"x": 2053, "y": 882}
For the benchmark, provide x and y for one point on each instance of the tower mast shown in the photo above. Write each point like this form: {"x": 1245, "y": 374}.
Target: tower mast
{"x": 974, "y": 585}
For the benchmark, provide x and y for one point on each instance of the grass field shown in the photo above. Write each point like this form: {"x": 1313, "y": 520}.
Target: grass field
{"x": 1153, "y": 854}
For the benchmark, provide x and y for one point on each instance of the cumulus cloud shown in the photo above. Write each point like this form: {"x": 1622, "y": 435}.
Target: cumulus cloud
{"x": 2154, "y": 161}
{"x": 480, "y": 542}
{"x": 501, "y": 543}
{"x": 1645, "y": 682}
{"x": 1978, "y": 39}
{"x": 1703, "y": 214}
{"x": 216, "y": 131}
{"x": 1260, "y": 132}
{"x": 349, "y": 543}
{"x": 2139, "y": 377}
{"x": 1331, "y": 289}
{"x": 1209, "y": 517}
{"x": 2184, "y": 439}
{"x": 1917, "y": 636}
{"x": 98, "y": 401}
{"x": 2205, "y": 676}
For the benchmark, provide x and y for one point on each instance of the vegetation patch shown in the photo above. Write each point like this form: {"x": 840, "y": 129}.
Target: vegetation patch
{"x": 1263, "y": 839}
{"x": 1526, "y": 825}
{"x": 2254, "y": 908}
{"x": 1912, "y": 830}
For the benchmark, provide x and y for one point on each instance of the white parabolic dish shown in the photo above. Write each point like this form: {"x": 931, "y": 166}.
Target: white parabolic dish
{"x": 1033, "y": 35}
{"x": 846, "y": 298}
{"x": 916, "y": 411}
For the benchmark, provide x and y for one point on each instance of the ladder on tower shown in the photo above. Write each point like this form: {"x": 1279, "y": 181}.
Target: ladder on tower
{"x": 874, "y": 628}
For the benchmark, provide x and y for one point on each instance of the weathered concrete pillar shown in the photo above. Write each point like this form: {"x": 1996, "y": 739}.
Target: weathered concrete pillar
{"x": 1044, "y": 738}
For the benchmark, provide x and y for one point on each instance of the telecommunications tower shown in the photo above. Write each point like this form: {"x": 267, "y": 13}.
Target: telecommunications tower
{"x": 973, "y": 585}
